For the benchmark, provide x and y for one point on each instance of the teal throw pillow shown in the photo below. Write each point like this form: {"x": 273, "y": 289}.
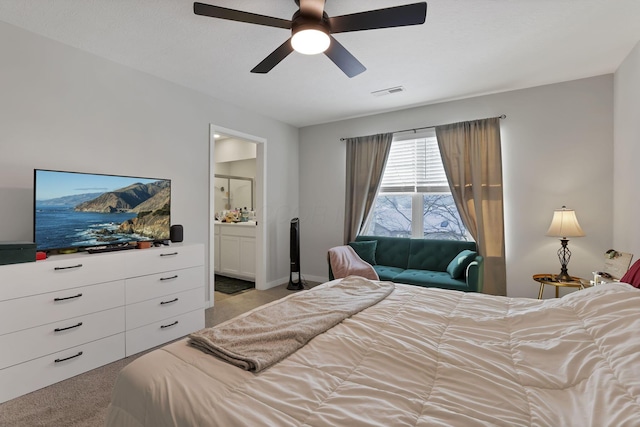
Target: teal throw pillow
{"x": 459, "y": 264}
{"x": 366, "y": 250}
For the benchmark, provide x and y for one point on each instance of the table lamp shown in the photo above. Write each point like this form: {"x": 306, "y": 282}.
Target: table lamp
{"x": 564, "y": 224}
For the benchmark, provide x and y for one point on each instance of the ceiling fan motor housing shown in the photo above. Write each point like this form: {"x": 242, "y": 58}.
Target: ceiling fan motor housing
{"x": 301, "y": 22}
{"x": 310, "y": 34}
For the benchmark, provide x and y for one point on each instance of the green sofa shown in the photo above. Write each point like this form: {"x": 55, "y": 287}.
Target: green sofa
{"x": 424, "y": 262}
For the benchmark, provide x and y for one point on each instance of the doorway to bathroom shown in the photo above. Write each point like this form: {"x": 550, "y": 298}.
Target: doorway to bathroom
{"x": 236, "y": 209}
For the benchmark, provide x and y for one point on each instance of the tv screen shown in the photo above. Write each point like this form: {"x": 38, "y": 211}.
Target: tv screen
{"x": 82, "y": 210}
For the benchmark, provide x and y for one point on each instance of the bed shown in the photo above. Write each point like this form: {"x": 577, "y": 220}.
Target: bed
{"x": 419, "y": 357}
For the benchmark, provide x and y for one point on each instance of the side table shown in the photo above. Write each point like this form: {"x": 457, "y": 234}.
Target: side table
{"x": 550, "y": 279}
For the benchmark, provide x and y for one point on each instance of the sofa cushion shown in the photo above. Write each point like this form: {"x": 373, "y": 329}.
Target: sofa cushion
{"x": 436, "y": 279}
{"x": 366, "y": 250}
{"x": 386, "y": 272}
{"x": 459, "y": 264}
{"x": 435, "y": 255}
{"x": 391, "y": 251}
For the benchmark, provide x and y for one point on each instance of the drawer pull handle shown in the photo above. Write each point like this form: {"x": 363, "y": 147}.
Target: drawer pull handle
{"x": 168, "y": 302}
{"x": 171, "y": 254}
{"x": 169, "y": 278}
{"x": 66, "y": 268}
{"x": 171, "y": 324}
{"x": 70, "y": 357}
{"x": 66, "y": 298}
{"x": 68, "y": 327}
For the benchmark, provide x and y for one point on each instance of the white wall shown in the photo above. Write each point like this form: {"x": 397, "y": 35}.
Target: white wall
{"x": 557, "y": 148}
{"x": 233, "y": 149}
{"x": 62, "y": 108}
{"x": 626, "y": 172}
{"x": 243, "y": 168}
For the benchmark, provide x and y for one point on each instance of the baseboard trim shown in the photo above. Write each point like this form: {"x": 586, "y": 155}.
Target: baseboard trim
{"x": 277, "y": 282}
{"x": 320, "y": 279}
{"x": 304, "y": 277}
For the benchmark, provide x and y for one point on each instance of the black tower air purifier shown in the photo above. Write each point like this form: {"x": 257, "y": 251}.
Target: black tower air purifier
{"x": 294, "y": 255}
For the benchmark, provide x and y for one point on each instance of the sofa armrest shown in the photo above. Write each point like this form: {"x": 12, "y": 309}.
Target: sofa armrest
{"x": 475, "y": 274}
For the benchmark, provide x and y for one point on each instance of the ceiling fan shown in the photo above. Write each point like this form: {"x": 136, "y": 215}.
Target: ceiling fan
{"x": 311, "y": 29}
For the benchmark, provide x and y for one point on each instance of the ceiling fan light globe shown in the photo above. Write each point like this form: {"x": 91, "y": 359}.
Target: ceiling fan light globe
{"x": 310, "y": 41}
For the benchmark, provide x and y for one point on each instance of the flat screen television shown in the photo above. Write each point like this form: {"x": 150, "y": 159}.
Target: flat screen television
{"x": 74, "y": 210}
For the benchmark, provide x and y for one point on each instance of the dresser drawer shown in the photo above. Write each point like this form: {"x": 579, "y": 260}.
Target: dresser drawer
{"x": 164, "y": 307}
{"x": 41, "y": 372}
{"x": 24, "y": 313}
{"x": 154, "y": 260}
{"x": 36, "y": 342}
{"x": 60, "y": 272}
{"x": 157, "y": 285}
{"x": 157, "y": 333}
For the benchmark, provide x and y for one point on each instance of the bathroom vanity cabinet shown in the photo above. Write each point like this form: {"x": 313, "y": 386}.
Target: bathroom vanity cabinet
{"x": 235, "y": 249}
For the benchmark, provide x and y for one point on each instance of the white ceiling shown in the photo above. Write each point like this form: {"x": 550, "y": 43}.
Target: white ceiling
{"x": 465, "y": 48}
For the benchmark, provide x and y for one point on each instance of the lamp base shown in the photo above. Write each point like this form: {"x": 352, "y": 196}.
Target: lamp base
{"x": 564, "y": 255}
{"x": 564, "y": 277}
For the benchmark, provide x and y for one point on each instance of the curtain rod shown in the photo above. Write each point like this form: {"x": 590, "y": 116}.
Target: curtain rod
{"x": 503, "y": 116}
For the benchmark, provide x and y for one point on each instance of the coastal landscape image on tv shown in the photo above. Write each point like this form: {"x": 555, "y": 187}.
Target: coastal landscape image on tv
{"x": 81, "y": 210}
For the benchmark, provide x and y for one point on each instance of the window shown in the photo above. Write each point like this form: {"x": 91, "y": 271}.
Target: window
{"x": 414, "y": 198}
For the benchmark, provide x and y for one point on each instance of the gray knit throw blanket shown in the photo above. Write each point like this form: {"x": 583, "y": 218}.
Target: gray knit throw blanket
{"x": 269, "y": 334}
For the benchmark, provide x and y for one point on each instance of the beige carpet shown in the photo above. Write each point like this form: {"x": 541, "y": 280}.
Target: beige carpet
{"x": 82, "y": 401}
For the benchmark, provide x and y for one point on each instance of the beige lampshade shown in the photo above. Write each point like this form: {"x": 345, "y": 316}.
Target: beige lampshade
{"x": 564, "y": 224}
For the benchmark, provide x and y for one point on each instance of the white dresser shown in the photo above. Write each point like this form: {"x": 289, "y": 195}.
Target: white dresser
{"x": 73, "y": 313}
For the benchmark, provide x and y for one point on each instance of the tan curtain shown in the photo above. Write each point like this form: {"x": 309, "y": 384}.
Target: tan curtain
{"x": 366, "y": 159}
{"x": 472, "y": 160}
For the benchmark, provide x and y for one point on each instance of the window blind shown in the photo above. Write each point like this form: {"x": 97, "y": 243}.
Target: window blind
{"x": 414, "y": 166}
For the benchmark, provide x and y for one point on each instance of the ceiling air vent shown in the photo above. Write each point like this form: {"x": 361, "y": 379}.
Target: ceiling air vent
{"x": 388, "y": 91}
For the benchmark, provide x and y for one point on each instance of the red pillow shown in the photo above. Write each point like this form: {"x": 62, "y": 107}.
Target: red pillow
{"x": 633, "y": 275}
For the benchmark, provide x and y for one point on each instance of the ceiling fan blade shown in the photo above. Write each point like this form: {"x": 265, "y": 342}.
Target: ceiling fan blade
{"x": 312, "y": 8}
{"x": 343, "y": 59}
{"x": 238, "y": 15}
{"x": 398, "y": 16}
{"x": 274, "y": 58}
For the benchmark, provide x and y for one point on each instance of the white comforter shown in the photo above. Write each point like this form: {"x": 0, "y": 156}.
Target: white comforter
{"x": 421, "y": 357}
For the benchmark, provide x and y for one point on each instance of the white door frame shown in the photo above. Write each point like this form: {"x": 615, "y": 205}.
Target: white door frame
{"x": 260, "y": 208}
